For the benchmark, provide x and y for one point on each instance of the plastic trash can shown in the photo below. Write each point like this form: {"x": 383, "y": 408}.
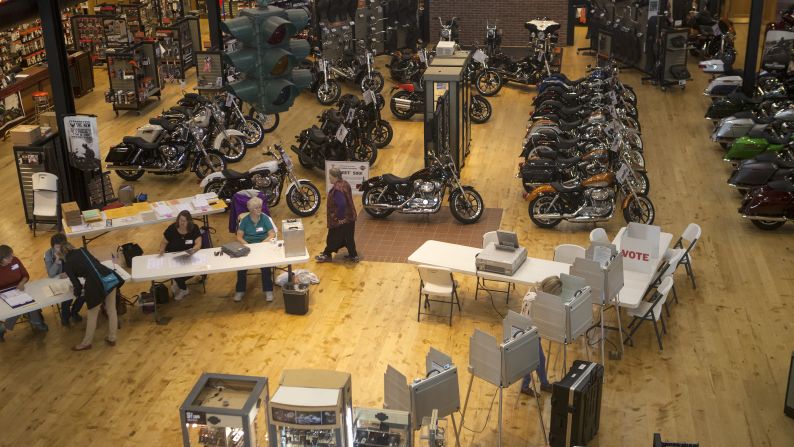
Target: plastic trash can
{"x": 296, "y": 299}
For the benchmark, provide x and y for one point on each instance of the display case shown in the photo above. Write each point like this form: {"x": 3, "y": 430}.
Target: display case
{"x": 177, "y": 45}
{"x": 89, "y": 36}
{"x": 376, "y": 427}
{"x": 134, "y": 79}
{"x": 169, "y": 10}
{"x": 225, "y": 410}
{"x": 117, "y": 32}
{"x": 141, "y": 17}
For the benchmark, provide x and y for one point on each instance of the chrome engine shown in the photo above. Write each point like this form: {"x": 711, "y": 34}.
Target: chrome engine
{"x": 600, "y": 202}
{"x": 171, "y": 157}
{"x": 426, "y": 198}
{"x": 267, "y": 183}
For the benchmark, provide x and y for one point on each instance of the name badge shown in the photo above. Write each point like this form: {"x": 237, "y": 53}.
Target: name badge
{"x": 260, "y": 230}
{"x": 15, "y": 267}
{"x": 189, "y": 242}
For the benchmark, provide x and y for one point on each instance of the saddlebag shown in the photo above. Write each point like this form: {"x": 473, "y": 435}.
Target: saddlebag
{"x": 122, "y": 154}
{"x": 752, "y": 174}
{"x": 538, "y": 170}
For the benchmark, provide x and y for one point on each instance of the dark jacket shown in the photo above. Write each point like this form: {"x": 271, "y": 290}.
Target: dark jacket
{"x": 77, "y": 266}
{"x": 334, "y": 203}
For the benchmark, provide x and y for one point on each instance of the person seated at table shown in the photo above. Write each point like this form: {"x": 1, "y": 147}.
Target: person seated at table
{"x": 182, "y": 235}
{"x": 53, "y": 262}
{"x": 253, "y": 228}
{"x": 79, "y": 263}
{"x": 551, "y": 285}
{"x": 14, "y": 275}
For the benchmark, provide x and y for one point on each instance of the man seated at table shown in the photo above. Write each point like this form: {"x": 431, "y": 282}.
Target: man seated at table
{"x": 14, "y": 275}
{"x": 53, "y": 262}
{"x": 255, "y": 227}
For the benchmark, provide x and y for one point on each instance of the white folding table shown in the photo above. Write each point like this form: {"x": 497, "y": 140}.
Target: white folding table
{"x": 39, "y": 291}
{"x": 210, "y": 260}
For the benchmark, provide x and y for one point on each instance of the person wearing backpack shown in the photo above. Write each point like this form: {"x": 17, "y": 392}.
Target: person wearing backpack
{"x": 100, "y": 287}
{"x": 53, "y": 262}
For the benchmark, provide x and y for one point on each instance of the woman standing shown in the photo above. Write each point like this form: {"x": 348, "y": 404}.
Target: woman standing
{"x": 255, "y": 227}
{"x": 82, "y": 264}
{"x": 53, "y": 262}
{"x": 14, "y": 275}
{"x": 341, "y": 214}
{"x": 182, "y": 235}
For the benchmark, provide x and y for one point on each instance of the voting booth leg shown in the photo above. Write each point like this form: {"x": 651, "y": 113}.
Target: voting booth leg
{"x": 455, "y": 427}
{"x": 466, "y": 401}
{"x": 540, "y": 414}
{"x": 619, "y": 355}
{"x": 499, "y": 442}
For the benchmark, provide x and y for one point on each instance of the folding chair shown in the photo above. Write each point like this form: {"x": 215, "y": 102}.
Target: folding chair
{"x": 45, "y": 198}
{"x": 568, "y": 252}
{"x": 599, "y": 235}
{"x": 691, "y": 234}
{"x": 436, "y": 281}
{"x": 651, "y": 310}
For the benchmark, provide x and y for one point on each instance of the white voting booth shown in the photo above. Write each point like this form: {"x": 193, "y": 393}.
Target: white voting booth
{"x": 602, "y": 269}
{"x": 503, "y": 364}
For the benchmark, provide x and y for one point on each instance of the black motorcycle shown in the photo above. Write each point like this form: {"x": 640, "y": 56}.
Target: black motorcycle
{"x": 408, "y": 67}
{"x": 765, "y": 168}
{"x": 450, "y": 31}
{"x": 410, "y": 99}
{"x": 357, "y": 68}
{"x": 335, "y": 141}
{"x": 422, "y": 193}
{"x": 303, "y": 198}
{"x": 379, "y": 130}
{"x": 167, "y": 150}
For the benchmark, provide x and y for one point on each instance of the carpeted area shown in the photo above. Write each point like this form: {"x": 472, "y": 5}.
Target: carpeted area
{"x": 394, "y": 239}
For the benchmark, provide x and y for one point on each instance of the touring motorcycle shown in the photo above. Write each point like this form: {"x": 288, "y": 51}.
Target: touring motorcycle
{"x": 422, "y": 193}
{"x": 303, "y": 198}
{"x": 335, "y": 140}
{"x": 770, "y": 206}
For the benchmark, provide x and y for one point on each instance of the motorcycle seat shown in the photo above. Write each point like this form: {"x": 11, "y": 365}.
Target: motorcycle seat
{"x": 562, "y": 143}
{"x": 706, "y": 30}
{"x": 546, "y": 152}
{"x": 746, "y": 99}
{"x": 566, "y": 162}
{"x": 394, "y": 180}
{"x": 231, "y": 174}
{"x": 781, "y": 185}
{"x": 569, "y": 125}
{"x": 562, "y": 187}
{"x": 183, "y": 110}
{"x": 316, "y": 135}
{"x": 164, "y": 123}
{"x": 760, "y": 120}
{"x": 192, "y": 95}
{"x": 758, "y": 133}
{"x": 770, "y": 157}
{"x": 141, "y": 143}
{"x": 571, "y": 110}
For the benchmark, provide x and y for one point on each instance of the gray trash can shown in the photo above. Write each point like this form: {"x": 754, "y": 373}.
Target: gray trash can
{"x": 296, "y": 299}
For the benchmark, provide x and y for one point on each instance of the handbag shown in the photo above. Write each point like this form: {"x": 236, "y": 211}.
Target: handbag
{"x": 109, "y": 281}
{"x": 129, "y": 251}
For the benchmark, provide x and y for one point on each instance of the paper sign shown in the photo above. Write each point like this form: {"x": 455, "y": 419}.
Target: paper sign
{"x": 353, "y": 172}
{"x": 479, "y": 56}
{"x": 229, "y": 100}
{"x": 623, "y": 173}
{"x": 369, "y": 97}
{"x": 350, "y": 114}
{"x": 341, "y": 133}
{"x": 82, "y": 140}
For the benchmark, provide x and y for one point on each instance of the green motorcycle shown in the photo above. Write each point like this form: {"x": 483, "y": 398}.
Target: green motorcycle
{"x": 751, "y": 145}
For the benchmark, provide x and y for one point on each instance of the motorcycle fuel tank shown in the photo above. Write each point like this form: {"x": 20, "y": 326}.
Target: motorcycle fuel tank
{"x": 599, "y": 180}
{"x": 747, "y": 147}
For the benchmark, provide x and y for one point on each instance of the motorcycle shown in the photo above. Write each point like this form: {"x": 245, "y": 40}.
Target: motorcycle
{"x": 593, "y": 199}
{"x": 422, "y": 193}
{"x": 536, "y": 65}
{"x": 379, "y": 130}
{"x": 335, "y": 141}
{"x": 231, "y": 106}
{"x": 410, "y": 100}
{"x": 760, "y": 171}
{"x": 786, "y": 22}
{"x": 165, "y": 149}
{"x": 723, "y": 86}
{"x": 768, "y": 207}
{"x": 408, "y": 68}
{"x": 359, "y": 69}
{"x": 739, "y": 125}
{"x": 710, "y": 38}
{"x": 449, "y": 30}
{"x": 755, "y": 143}
{"x": 209, "y": 116}
{"x": 303, "y": 198}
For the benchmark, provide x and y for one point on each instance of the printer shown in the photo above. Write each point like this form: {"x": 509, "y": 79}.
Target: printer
{"x": 504, "y": 256}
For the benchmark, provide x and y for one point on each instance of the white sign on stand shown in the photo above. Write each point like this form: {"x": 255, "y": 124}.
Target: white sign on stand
{"x": 82, "y": 140}
{"x": 353, "y": 172}
{"x": 640, "y": 247}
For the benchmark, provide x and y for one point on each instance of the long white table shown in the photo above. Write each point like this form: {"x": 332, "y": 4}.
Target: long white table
{"x": 39, "y": 291}
{"x": 141, "y": 216}
{"x": 635, "y": 283}
{"x": 461, "y": 259}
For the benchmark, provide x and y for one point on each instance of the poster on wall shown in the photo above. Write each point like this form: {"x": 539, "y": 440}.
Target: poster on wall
{"x": 82, "y": 141}
{"x": 353, "y": 172}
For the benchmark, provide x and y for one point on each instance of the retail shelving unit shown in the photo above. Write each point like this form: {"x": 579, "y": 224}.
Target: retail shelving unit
{"x": 88, "y": 35}
{"x": 209, "y": 71}
{"x": 133, "y": 75}
{"x": 141, "y": 17}
{"x": 178, "y": 45}
{"x": 169, "y": 11}
{"x": 117, "y": 32}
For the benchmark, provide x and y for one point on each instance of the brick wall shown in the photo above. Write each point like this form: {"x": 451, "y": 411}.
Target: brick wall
{"x": 511, "y": 14}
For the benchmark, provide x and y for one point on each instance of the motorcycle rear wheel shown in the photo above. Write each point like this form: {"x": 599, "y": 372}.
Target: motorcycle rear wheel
{"x": 369, "y": 198}
{"x": 639, "y": 210}
{"x": 542, "y": 205}
{"x": 130, "y": 176}
{"x": 467, "y": 207}
{"x": 366, "y": 151}
{"x": 203, "y": 168}
{"x": 329, "y": 93}
{"x": 304, "y": 200}
{"x": 254, "y": 132}
{"x": 233, "y": 148}
{"x": 488, "y": 83}
{"x": 403, "y": 115}
{"x": 269, "y": 120}
{"x": 214, "y": 186}
{"x": 480, "y": 109}
{"x": 767, "y": 225}
{"x": 382, "y": 134}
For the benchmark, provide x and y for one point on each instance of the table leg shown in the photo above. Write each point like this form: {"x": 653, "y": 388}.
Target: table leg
{"x": 289, "y": 273}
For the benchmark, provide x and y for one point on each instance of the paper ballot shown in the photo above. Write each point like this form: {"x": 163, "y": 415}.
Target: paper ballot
{"x": 16, "y": 298}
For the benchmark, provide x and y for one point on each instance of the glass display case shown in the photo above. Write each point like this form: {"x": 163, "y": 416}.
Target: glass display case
{"x": 374, "y": 427}
{"x": 225, "y": 410}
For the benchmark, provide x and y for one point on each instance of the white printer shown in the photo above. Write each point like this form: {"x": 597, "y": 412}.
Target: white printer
{"x": 503, "y": 257}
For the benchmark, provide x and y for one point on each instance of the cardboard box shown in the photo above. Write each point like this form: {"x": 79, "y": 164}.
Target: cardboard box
{"x": 25, "y": 135}
{"x": 48, "y": 119}
{"x": 71, "y": 214}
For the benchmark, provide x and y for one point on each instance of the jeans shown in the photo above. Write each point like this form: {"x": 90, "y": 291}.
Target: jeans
{"x": 93, "y": 315}
{"x": 36, "y": 319}
{"x": 182, "y": 282}
{"x": 267, "y": 280}
{"x": 71, "y": 307}
{"x": 541, "y": 370}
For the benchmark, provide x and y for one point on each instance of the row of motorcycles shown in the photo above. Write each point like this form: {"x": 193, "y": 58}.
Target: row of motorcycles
{"x": 583, "y": 152}
{"x": 757, "y": 135}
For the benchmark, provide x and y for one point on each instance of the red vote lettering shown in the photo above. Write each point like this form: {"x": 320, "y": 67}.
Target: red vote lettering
{"x": 640, "y": 256}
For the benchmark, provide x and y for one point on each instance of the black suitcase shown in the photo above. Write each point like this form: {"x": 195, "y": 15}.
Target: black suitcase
{"x": 576, "y": 405}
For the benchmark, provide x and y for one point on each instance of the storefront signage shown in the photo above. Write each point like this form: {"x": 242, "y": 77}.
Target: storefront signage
{"x": 82, "y": 141}
{"x": 353, "y": 172}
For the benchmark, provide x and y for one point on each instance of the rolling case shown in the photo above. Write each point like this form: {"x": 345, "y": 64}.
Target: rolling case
{"x": 576, "y": 405}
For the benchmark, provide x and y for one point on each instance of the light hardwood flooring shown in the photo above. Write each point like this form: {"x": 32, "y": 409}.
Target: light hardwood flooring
{"x": 720, "y": 380}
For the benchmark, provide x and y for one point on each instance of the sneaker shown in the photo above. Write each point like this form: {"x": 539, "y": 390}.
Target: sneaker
{"x": 322, "y": 258}
{"x": 180, "y": 294}
{"x": 76, "y": 318}
{"x": 528, "y": 391}
{"x": 269, "y": 297}
{"x": 352, "y": 258}
{"x": 546, "y": 387}
{"x": 174, "y": 289}
{"x": 238, "y": 296}
{"x": 41, "y": 328}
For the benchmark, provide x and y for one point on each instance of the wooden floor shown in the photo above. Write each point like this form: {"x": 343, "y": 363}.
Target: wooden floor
{"x": 720, "y": 380}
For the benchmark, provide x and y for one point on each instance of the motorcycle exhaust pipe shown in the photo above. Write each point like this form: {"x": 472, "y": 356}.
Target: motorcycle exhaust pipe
{"x": 403, "y": 105}
{"x": 136, "y": 168}
{"x": 768, "y": 219}
{"x": 383, "y": 206}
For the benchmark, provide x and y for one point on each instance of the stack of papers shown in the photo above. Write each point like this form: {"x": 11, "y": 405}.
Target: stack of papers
{"x": 59, "y": 288}
{"x": 163, "y": 211}
{"x": 200, "y": 203}
{"x": 16, "y": 298}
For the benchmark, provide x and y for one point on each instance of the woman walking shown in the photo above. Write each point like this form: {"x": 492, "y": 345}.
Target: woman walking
{"x": 341, "y": 220}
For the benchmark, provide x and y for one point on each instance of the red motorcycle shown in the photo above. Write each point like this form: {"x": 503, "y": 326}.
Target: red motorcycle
{"x": 769, "y": 206}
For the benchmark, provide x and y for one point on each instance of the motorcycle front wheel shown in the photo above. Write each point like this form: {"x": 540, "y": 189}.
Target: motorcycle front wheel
{"x": 488, "y": 83}
{"x": 233, "y": 148}
{"x": 328, "y": 93}
{"x": 382, "y": 134}
{"x": 303, "y": 200}
{"x": 542, "y": 205}
{"x": 213, "y": 162}
{"x": 254, "y": 132}
{"x": 631, "y": 123}
{"x": 372, "y": 82}
{"x": 466, "y": 207}
{"x": 640, "y": 210}
{"x": 400, "y": 114}
{"x": 767, "y": 225}
{"x": 130, "y": 176}
{"x": 369, "y": 198}
{"x": 480, "y": 109}
{"x": 639, "y": 181}
{"x": 269, "y": 121}
{"x": 366, "y": 151}
{"x": 215, "y": 186}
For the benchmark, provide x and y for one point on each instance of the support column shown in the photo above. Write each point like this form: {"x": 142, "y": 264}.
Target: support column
{"x": 214, "y": 22}
{"x": 751, "y": 52}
